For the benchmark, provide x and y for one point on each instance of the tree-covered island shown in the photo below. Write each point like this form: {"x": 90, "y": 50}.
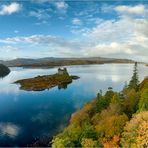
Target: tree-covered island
{"x": 39, "y": 83}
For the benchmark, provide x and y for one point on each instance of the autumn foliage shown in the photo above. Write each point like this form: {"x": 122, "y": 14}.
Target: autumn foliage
{"x": 115, "y": 119}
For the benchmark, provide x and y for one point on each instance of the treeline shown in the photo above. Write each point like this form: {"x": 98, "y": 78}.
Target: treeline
{"x": 115, "y": 119}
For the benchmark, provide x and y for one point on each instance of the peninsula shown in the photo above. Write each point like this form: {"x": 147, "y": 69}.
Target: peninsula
{"x": 39, "y": 83}
{"x": 4, "y": 70}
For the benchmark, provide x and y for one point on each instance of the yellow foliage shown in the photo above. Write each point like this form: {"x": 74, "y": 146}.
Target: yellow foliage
{"x": 88, "y": 143}
{"x": 82, "y": 114}
{"x": 144, "y": 83}
{"x": 136, "y": 131}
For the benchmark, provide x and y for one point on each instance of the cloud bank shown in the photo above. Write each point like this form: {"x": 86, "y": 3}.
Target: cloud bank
{"x": 139, "y": 9}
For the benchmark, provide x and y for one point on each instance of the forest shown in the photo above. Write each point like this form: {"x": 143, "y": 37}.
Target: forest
{"x": 112, "y": 119}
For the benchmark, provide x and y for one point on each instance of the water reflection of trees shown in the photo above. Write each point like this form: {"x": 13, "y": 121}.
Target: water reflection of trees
{"x": 63, "y": 85}
{"x": 3, "y": 75}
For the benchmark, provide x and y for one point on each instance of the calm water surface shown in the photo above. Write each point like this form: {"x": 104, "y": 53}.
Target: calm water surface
{"x": 25, "y": 116}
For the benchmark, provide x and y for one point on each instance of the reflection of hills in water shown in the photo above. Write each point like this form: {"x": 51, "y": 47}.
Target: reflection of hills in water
{"x": 4, "y": 70}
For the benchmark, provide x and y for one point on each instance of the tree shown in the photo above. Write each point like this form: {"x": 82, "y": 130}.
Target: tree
{"x": 143, "y": 84}
{"x": 130, "y": 103}
{"x": 136, "y": 131}
{"x": 134, "y": 82}
{"x": 104, "y": 122}
{"x": 62, "y": 142}
{"x": 70, "y": 137}
{"x": 88, "y": 131}
{"x": 109, "y": 125}
{"x": 101, "y": 103}
{"x": 143, "y": 103}
{"x": 88, "y": 142}
{"x": 116, "y": 99}
{"x": 110, "y": 128}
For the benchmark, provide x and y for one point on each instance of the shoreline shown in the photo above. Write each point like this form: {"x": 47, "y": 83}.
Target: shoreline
{"x": 49, "y": 67}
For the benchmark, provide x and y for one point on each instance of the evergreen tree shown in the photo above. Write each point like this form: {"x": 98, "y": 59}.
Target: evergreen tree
{"x": 134, "y": 80}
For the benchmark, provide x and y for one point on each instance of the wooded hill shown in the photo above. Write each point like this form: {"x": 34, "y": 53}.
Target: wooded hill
{"x": 115, "y": 119}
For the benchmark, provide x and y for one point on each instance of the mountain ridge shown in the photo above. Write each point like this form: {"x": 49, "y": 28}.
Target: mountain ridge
{"x": 54, "y": 61}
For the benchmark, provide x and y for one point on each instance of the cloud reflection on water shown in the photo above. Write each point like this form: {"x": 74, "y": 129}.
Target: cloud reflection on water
{"x": 9, "y": 129}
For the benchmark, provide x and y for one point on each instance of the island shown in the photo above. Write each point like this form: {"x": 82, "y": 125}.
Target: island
{"x": 39, "y": 83}
{"x": 4, "y": 70}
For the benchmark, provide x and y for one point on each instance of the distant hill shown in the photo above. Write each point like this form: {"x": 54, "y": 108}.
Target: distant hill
{"x": 4, "y": 70}
{"x": 51, "y": 61}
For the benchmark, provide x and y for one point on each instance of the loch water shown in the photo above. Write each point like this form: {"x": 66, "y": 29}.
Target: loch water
{"x": 29, "y": 115}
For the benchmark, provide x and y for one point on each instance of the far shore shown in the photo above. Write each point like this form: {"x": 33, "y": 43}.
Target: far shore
{"x": 48, "y": 66}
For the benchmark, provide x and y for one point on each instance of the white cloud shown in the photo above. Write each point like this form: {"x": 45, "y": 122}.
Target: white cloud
{"x": 138, "y": 9}
{"x": 9, "y": 9}
{"x": 40, "y": 14}
{"x": 107, "y": 8}
{"x": 113, "y": 49}
{"x": 35, "y": 39}
{"x": 76, "y": 21}
{"x": 8, "y": 49}
{"x": 55, "y": 44}
{"x": 125, "y": 37}
{"x": 61, "y": 5}
{"x": 8, "y": 52}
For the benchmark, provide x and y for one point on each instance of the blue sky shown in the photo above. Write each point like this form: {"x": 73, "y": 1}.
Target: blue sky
{"x": 46, "y": 28}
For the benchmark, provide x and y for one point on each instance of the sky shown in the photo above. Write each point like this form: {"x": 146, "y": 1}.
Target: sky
{"x": 74, "y": 28}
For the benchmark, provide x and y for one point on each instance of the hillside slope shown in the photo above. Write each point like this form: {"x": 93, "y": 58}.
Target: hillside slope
{"x": 115, "y": 119}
